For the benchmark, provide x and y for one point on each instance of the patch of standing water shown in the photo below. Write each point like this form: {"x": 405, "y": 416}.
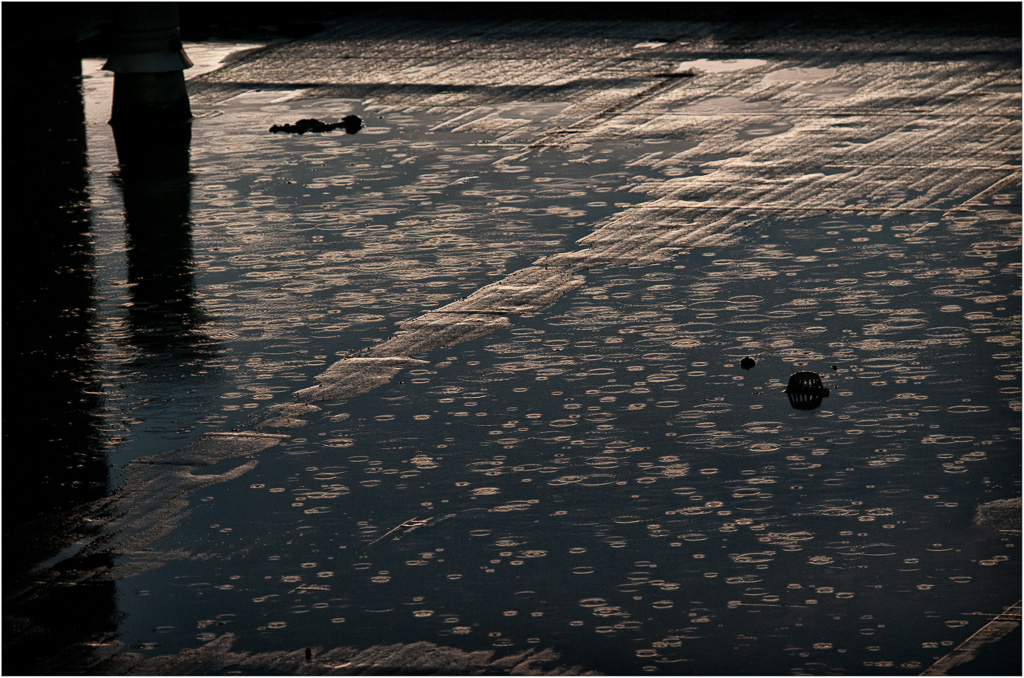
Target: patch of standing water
{"x": 292, "y": 250}
{"x": 717, "y": 65}
{"x": 807, "y": 81}
{"x": 651, "y": 44}
{"x": 699, "y": 511}
{"x": 604, "y": 480}
{"x": 799, "y": 74}
{"x": 719, "y": 105}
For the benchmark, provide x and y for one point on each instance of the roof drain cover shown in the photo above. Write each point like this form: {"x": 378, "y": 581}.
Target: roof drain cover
{"x": 805, "y": 390}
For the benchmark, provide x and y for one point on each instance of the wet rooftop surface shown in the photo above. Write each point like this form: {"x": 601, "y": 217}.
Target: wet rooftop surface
{"x": 462, "y": 392}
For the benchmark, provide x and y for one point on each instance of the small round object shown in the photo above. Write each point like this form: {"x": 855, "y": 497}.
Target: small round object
{"x": 805, "y": 390}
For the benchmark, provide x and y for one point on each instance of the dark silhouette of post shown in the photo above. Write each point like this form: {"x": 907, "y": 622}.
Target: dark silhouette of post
{"x": 150, "y": 115}
{"x": 152, "y": 123}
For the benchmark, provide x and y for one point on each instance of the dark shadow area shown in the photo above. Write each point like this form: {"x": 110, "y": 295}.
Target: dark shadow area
{"x": 53, "y": 460}
{"x": 964, "y": 18}
{"x": 93, "y": 22}
{"x": 48, "y": 309}
{"x": 219, "y": 20}
{"x": 201, "y": 21}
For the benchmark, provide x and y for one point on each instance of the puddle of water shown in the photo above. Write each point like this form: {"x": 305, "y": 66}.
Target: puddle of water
{"x": 293, "y": 248}
{"x": 263, "y": 98}
{"x": 1006, "y": 89}
{"x": 827, "y": 91}
{"x": 807, "y": 82}
{"x": 718, "y": 65}
{"x": 799, "y": 74}
{"x": 650, "y": 44}
{"x": 604, "y": 479}
{"x": 718, "y": 105}
{"x": 765, "y": 129}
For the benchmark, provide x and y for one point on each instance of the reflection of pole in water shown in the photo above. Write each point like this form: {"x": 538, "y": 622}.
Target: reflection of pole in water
{"x": 155, "y": 181}
{"x": 152, "y": 123}
{"x": 164, "y": 315}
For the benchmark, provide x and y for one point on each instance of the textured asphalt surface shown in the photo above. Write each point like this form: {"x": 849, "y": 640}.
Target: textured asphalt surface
{"x": 817, "y": 176}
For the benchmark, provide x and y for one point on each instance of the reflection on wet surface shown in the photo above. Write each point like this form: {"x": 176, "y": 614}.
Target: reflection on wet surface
{"x": 521, "y": 477}
{"x": 420, "y": 398}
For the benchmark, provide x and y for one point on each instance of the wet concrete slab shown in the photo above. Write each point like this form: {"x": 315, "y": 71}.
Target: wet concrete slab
{"x": 463, "y": 392}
